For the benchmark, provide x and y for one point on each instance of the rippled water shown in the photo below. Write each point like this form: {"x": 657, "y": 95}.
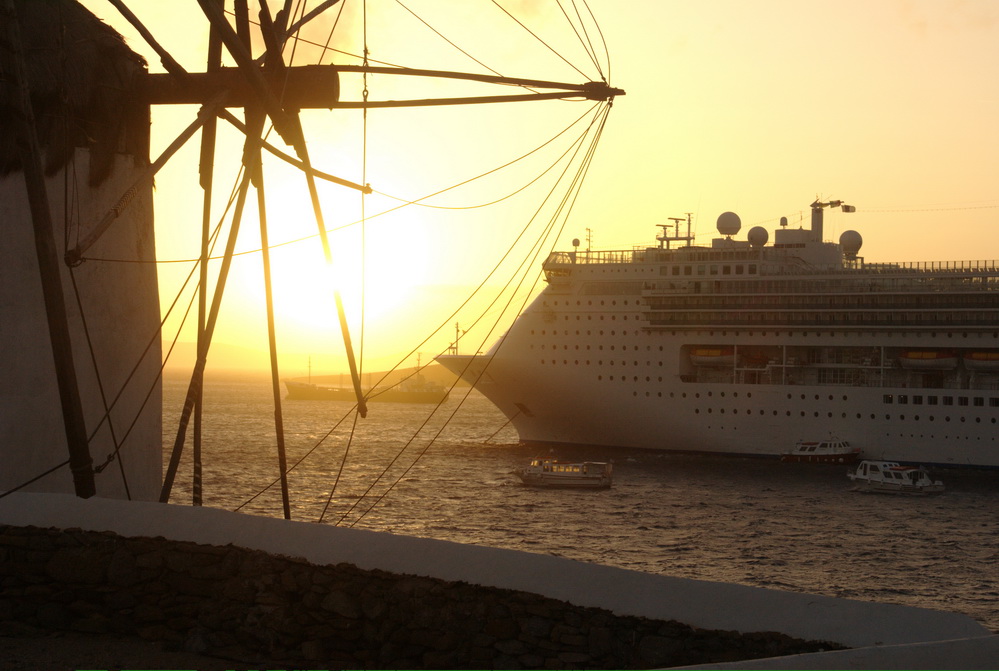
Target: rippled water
{"x": 796, "y": 527}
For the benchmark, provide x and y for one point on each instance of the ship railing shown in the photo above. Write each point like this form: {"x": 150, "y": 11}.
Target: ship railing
{"x": 558, "y": 259}
{"x": 953, "y": 268}
{"x": 644, "y": 254}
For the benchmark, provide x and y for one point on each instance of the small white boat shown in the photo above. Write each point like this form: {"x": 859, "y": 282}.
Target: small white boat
{"x": 554, "y": 473}
{"x": 822, "y": 452}
{"x": 891, "y": 478}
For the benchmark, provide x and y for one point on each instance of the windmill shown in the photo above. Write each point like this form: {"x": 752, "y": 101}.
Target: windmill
{"x": 266, "y": 89}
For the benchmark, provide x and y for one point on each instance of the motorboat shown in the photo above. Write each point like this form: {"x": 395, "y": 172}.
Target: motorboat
{"x": 554, "y": 473}
{"x": 822, "y": 452}
{"x": 891, "y": 478}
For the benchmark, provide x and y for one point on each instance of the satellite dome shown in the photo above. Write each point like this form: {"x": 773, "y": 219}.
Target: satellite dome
{"x": 758, "y": 236}
{"x": 729, "y": 223}
{"x": 851, "y": 241}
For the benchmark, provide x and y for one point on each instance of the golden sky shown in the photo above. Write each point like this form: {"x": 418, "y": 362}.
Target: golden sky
{"x": 757, "y": 108}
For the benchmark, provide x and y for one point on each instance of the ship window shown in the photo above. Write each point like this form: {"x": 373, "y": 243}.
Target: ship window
{"x": 726, "y": 270}
{"x": 888, "y": 398}
{"x": 948, "y": 400}
{"x": 931, "y": 400}
{"x": 686, "y": 270}
{"x": 994, "y": 403}
{"x": 962, "y": 400}
{"x": 700, "y": 270}
{"x": 738, "y": 270}
{"x": 979, "y": 401}
{"x": 902, "y": 398}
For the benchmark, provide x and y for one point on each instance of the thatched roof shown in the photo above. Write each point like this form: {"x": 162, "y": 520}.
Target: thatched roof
{"x": 82, "y": 79}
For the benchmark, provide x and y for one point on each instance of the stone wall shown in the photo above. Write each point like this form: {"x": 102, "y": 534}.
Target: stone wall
{"x": 250, "y": 606}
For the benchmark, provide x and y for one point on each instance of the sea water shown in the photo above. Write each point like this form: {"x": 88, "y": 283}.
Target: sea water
{"x": 449, "y": 476}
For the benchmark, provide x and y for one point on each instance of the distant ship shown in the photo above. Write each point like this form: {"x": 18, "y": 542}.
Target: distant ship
{"x": 418, "y": 391}
{"x": 740, "y": 346}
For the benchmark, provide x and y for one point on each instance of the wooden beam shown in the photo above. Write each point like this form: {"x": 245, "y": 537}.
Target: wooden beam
{"x": 302, "y": 87}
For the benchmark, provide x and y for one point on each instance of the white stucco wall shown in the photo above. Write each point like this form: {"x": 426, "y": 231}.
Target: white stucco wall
{"x": 121, "y": 307}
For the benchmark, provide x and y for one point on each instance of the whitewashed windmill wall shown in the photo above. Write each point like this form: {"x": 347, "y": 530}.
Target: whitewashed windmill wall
{"x": 86, "y": 133}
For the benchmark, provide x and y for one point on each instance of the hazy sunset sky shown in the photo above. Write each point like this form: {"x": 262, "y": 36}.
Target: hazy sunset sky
{"x": 752, "y": 107}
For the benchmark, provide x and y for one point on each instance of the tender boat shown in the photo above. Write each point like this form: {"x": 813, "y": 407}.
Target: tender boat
{"x": 554, "y": 473}
{"x": 891, "y": 478}
{"x": 822, "y": 452}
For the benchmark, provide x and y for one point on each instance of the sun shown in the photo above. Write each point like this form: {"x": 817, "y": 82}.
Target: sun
{"x": 373, "y": 272}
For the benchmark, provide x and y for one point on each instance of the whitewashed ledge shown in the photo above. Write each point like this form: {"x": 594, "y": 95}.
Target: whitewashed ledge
{"x": 708, "y": 605}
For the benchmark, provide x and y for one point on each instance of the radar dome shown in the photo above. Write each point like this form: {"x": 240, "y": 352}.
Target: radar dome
{"x": 851, "y": 241}
{"x": 729, "y": 223}
{"x": 758, "y": 236}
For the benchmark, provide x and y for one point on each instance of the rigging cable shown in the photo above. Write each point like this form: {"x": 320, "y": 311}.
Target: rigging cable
{"x": 447, "y": 320}
{"x": 68, "y": 225}
{"x": 526, "y": 267}
{"x": 363, "y": 265}
{"x": 155, "y": 338}
{"x": 405, "y": 202}
{"x": 600, "y": 32}
{"x": 365, "y": 218}
{"x": 98, "y": 469}
{"x": 157, "y": 334}
{"x": 584, "y": 39}
{"x": 535, "y": 36}
{"x": 440, "y": 35}
{"x": 575, "y": 187}
{"x": 444, "y": 322}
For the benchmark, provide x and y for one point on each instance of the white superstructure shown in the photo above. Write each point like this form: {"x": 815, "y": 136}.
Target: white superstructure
{"x": 744, "y": 347}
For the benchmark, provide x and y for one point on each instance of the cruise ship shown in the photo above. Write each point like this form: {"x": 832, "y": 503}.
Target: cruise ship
{"x": 745, "y": 347}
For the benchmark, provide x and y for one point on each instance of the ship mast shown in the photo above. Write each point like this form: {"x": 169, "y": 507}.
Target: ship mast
{"x": 817, "y": 208}
{"x": 675, "y": 237}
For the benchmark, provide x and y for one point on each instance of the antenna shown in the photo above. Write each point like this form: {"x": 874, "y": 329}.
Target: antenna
{"x": 817, "y": 215}
{"x": 453, "y": 349}
{"x": 675, "y": 237}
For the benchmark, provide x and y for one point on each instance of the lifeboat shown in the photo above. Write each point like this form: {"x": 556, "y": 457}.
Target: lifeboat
{"x": 712, "y": 356}
{"x": 981, "y": 360}
{"x": 931, "y": 359}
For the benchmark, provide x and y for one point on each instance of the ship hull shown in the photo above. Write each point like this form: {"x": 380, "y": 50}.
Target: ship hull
{"x": 629, "y": 401}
